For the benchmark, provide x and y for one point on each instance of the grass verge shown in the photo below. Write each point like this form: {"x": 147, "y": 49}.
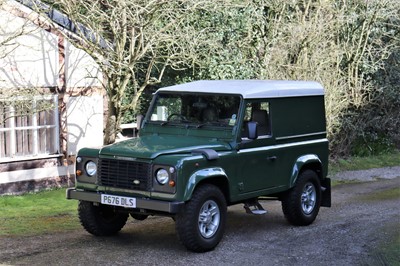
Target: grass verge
{"x": 363, "y": 163}
{"x": 37, "y": 213}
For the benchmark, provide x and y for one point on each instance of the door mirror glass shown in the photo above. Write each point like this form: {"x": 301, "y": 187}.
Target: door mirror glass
{"x": 252, "y": 130}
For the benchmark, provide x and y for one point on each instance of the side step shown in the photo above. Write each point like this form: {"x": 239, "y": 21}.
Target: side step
{"x": 254, "y": 207}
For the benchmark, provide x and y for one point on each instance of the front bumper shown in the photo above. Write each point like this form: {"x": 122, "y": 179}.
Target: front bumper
{"x": 146, "y": 204}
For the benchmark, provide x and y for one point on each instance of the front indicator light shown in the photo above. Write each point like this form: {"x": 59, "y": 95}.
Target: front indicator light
{"x": 171, "y": 183}
{"x": 78, "y": 172}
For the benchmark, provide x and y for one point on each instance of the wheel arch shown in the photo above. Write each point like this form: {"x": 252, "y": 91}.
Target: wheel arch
{"x": 215, "y": 176}
{"x": 306, "y": 162}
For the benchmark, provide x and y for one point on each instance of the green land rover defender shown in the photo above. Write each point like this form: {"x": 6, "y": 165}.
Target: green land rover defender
{"x": 206, "y": 145}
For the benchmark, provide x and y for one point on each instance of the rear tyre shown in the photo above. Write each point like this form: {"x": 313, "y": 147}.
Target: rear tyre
{"x": 101, "y": 220}
{"x": 301, "y": 204}
{"x": 200, "y": 226}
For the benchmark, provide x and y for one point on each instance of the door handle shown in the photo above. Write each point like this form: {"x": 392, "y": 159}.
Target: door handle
{"x": 272, "y": 158}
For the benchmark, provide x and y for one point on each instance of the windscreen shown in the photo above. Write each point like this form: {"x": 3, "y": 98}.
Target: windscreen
{"x": 197, "y": 110}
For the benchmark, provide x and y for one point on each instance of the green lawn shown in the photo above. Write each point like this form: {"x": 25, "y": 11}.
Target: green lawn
{"x": 362, "y": 163}
{"x": 37, "y": 213}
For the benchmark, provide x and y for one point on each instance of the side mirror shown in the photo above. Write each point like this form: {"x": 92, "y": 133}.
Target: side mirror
{"x": 252, "y": 130}
{"x": 139, "y": 121}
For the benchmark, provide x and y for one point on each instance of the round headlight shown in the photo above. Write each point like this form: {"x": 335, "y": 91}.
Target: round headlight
{"x": 91, "y": 168}
{"x": 162, "y": 176}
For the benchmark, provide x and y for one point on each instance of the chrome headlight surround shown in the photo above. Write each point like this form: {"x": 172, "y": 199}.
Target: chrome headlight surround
{"x": 91, "y": 168}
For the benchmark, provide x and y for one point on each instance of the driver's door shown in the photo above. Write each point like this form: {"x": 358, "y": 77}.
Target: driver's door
{"x": 257, "y": 158}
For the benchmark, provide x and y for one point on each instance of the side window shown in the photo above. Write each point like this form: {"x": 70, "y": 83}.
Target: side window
{"x": 257, "y": 111}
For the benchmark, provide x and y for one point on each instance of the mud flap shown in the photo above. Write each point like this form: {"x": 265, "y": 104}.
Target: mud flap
{"x": 326, "y": 192}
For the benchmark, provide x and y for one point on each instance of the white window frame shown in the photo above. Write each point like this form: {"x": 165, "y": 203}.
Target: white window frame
{"x": 12, "y": 128}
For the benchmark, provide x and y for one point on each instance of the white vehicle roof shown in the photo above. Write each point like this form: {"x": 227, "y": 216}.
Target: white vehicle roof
{"x": 251, "y": 89}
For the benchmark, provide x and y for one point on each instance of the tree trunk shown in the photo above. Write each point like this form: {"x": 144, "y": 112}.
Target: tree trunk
{"x": 111, "y": 125}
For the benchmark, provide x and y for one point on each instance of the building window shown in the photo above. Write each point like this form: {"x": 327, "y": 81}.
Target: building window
{"x": 29, "y": 127}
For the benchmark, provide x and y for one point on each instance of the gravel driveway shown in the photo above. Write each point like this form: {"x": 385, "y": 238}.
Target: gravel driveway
{"x": 364, "y": 216}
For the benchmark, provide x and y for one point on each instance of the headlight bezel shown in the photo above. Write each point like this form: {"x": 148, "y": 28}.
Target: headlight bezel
{"x": 170, "y": 186}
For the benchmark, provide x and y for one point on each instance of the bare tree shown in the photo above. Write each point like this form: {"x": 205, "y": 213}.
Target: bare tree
{"x": 133, "y": 42}
{"x": 341, "y": 44}
{"x": 24, "y": 100}
{"x": 338, "y": 43}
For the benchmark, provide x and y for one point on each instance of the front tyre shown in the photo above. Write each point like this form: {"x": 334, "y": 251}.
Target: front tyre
{"x": 200, "y": 226}
{"x": 301, "y": 204}
{"x": 101, "y": 220}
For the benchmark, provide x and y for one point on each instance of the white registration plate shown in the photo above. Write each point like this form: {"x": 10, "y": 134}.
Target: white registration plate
{"x": 126, "y": 202}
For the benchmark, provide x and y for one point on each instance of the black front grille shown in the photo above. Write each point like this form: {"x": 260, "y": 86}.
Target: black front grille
{"x": 124, "y": 174}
